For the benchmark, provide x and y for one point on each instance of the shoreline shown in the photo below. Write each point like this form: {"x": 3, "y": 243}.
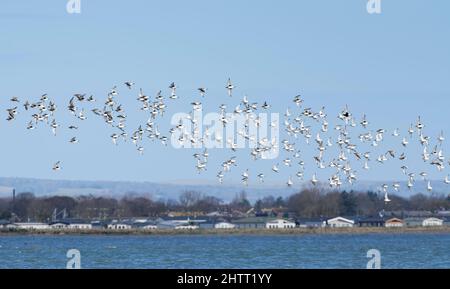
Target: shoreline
{"x": 224, "y": 232}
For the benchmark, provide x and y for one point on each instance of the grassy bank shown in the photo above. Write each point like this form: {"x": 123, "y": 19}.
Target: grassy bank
{"x": 295, "y": 231}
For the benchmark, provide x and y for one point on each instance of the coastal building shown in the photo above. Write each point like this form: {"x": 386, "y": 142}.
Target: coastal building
{"x": 414, "y": 222}
{"x": 311, "y": 223}
{"x": 394, "y": 223}
{"x": 30, "y": 226}
{"x": 4, "y": 224}
{"x": 252, "y": 222}
{"x": 10, "y": 226}
{"x": 186, "y": 227}
{"x": 118, "y": 225}
{"x": 139, "y": 220}
{"x": 80, "y": 226}
{"x": 71, "y": 224}
{"x": 224, "y": 225}
{"x": 58, "y": 225}
{"x": 180, "y": 222}
{"x": 280, "y": 224}
{"x": 145, "y": 225}
{"x": 99, "y": 224}
{"x": 371, "y": 222}
{"x": 431, "y": 222}
{"x": 340, "y": 222}
{"x": 162, "y": 224}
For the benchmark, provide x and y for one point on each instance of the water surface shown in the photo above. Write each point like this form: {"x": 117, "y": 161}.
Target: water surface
{"x": 227, "y": 251}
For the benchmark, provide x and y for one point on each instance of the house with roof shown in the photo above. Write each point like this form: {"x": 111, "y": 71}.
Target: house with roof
{"x": 180, "y": 222}
{"x": 29, "y": 226}
{"x": 186, "y": 227}
{"x": 4, "y": 224}
{"x": 80, "y": 225}
{"x": 413, "y": 222}
{"x": 394, "y": 223}
{"x": 371, "y": 222}
{"x": 120, "y": 225}
{"x": 280, "y": 224}
{"x": 72, "y": 224}
{"x": 145, "y": 225}
{"x": 252, "y": 222}
{"x": 59, "y": 225}
{"x": 340, "y": 222}
{"x": 432, "y": 222}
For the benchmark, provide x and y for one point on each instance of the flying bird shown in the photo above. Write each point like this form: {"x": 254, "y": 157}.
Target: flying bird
{"x": 229, "y": 87}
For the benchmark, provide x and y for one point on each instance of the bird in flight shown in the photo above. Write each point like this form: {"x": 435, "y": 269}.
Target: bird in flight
{"x": 57, "y": 166}
{"x": 229, "y": 87}
{"x": 309, "y": 139}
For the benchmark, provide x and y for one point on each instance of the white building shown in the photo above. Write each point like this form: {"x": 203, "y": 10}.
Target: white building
{"x": 394, "y": 223}
{"x": 80, "y": 226}
{"x": 149, "y": 227}
{"x": 31, "y": 226}
{"x": 340, "y": 222}
{"x": 186, "y": 227}
{"x": 119, "y": 226}
{"x": 224, "y": 225}
{"x": 71, "y": 225}
{"x": 430, "y": 222}
{"x": 179, "y": 224}
{"x": 59, "y": 225}
{"x": 280, "y": 224}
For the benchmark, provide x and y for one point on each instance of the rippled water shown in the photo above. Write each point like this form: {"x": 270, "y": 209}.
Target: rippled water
{"x": 228, "y": 251}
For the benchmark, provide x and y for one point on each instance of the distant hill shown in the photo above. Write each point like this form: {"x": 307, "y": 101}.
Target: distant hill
{"x": 42, "y": 187}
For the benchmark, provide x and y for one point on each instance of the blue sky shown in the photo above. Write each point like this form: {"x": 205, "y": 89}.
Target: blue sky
{"x": 392, "y": 67}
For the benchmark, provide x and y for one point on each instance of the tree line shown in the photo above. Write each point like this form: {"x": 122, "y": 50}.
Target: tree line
{"x": 308, "y": 203}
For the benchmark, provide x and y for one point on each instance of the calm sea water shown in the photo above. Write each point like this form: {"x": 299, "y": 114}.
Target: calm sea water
{"x": 230, "y": 251}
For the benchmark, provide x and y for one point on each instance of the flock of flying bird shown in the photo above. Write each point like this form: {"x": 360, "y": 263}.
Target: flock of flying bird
{"x": 301, "y": 122}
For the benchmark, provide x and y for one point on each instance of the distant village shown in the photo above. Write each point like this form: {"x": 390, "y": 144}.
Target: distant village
{"x": 216, "y": 222}
{"x": 310, "y": 208}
